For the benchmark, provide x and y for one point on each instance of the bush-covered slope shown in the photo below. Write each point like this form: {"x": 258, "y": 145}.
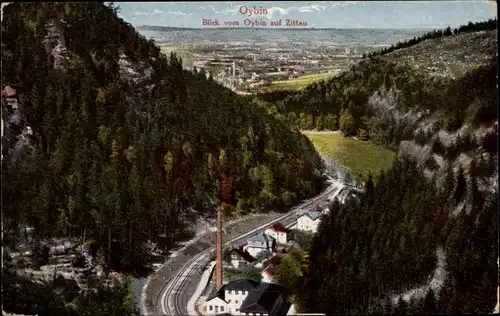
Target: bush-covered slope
{"x": 113, "y": 141}
{"x": 446, "y": 34}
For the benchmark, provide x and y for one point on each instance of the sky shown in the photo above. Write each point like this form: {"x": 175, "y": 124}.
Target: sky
{"x": 319, "y": 14}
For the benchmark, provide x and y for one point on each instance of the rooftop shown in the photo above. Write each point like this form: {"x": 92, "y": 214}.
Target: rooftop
{"x": 238, "y": 285}
{"x": 314, "y": 215}
{"x": 268, "y": 271}
{"x": 261, "y": 238}
{"x": 277, "y": 73}
{"x": 262, "y": 299}
{"x": 243, "y": 255}
{"x": 278, "y": 227}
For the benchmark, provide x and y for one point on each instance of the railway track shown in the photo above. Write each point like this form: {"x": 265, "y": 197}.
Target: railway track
{"x": 174, "y": 300}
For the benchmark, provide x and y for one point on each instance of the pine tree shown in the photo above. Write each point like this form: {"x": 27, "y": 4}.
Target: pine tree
{"x": 415, "y": 306}
{"x": 429, "y": 302}
{"x": 460, "y": 187}
{"x": 401, "y": 307}
{"x": 369, "y": 190}
{"x": 477, "y": 198}
{"x": 449, "y": 183}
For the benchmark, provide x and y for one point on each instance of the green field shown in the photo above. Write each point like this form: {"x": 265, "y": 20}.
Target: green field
{"x": 298, "y": 83}
{"x": 359, "y": 156}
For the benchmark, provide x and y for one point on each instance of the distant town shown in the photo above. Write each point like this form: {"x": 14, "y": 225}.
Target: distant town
{"x": 252, "y": 59}
{"x": 246, "y": 67}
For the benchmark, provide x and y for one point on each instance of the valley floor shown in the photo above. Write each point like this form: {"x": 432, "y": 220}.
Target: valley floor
{"x": 359, "y": 156}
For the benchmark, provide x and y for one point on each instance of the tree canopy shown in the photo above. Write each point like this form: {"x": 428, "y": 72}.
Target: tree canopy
{"x": 387, "y": 245}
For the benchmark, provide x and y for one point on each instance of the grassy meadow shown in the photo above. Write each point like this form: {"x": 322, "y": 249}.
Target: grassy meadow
{"x": 359, "y": 156}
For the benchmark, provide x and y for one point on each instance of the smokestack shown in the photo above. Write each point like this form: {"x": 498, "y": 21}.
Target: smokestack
{"x": 224, "y": 195}
{"x": 218, "y": 237}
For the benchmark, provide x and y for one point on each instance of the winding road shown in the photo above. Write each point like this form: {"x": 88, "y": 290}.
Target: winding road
{"x": 174, "y": 299}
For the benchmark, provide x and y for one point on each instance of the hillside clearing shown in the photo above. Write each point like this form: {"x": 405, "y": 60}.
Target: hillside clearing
{"x": 358, "y": 156}
{"x": 298, "y": 83}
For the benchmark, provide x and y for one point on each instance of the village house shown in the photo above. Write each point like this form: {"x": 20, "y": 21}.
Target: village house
{"x": 258, "y": 243}
{"x": 267, "y": 274}
{"x": 270, "y": 264}
{"x": 278, "y": 232}
{"x": 246, "y": 297}
{"x": 309, "y": 221}
{"x": 240, "y": 258}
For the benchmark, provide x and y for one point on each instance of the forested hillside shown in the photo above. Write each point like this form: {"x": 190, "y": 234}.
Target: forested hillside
{"x": 403, "y": 236}
{"x": 424, "y": 237}
{"x": 110, "y": 141}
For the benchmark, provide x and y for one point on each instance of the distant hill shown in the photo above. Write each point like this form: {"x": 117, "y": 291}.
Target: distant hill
{"x": 164, "y": 28}
{"x": 157, "y": 28}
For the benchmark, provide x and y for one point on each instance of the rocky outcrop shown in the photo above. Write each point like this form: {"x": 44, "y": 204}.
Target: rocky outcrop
{"x": 55, "y": 46}
{"x": 415, "y": 122}
{"x": 16, "y": 135}
{"x": 385, "y": 108}
{"x": 138, "y": 76}
{"x": 435, "y": 283}
{"x": 4, "y": 4}
{"x": 10, "y": 314}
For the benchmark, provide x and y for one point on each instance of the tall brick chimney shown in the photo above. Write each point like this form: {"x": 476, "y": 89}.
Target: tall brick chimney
{"x": 218, "y": 238}
{"x": 224, "y": 195}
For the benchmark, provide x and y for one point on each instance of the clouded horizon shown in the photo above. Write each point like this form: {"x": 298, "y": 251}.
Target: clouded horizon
{"x": 319, "y": 14}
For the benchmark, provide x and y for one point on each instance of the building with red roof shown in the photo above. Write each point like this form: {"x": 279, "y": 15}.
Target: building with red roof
{"x": 267, "y": 274}
{"x": 278, "y": 232}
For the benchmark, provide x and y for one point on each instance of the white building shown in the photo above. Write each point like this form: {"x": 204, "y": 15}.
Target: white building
{"x": 309, "y": 221}
{"x": 258, "y": 243}
{"x": 245, "y": 297}
{"x": 278, "y": 232}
